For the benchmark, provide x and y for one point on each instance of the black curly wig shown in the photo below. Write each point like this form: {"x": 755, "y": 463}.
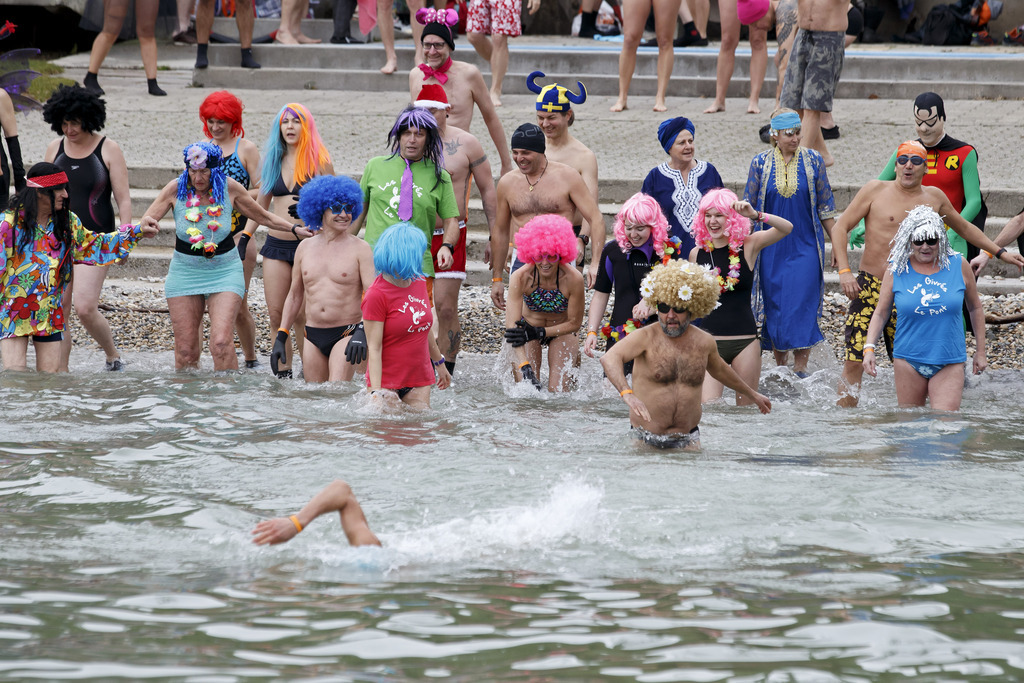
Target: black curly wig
{"x": 75, "y": 103}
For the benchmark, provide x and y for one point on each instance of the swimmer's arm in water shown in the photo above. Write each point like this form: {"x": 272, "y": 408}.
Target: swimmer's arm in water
{"x": 624, "y": 351}
{"x": 724, "y": 373}
{"x": 337, "y": 496}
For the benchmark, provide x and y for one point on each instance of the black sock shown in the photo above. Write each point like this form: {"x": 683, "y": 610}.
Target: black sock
{"x": 201, "y": 59}
{"x": 154, "y": 89}
{"x": 690, "y": 29}
{"x": 247, "y": 61}
{"x": 91, "y": 83}
{"x": 450, "y": 364}
{"x": 588, "y": 24}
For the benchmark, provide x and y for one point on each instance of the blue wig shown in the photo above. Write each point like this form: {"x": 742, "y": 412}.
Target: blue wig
{"x": 320, "y": 192}
{"x": 204, "y": 155}
{"x": 420, "y": 119}
{"x": 273, "y": 153}
{"x": 399, "y": 252}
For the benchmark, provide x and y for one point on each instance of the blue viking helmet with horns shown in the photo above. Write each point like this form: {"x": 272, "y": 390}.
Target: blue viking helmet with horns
{"x": 555, "y": 97}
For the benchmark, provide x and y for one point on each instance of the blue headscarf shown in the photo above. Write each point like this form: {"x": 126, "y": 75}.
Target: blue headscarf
{"x": 670, "y": 129}
{"x": 786, "y": 121}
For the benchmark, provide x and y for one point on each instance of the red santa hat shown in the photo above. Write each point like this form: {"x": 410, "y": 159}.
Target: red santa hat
{"x": 432, "y": 96}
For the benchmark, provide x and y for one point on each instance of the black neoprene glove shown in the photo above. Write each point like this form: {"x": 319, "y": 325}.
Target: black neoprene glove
{"x": 356, "y": 352}
{"x": 280, "y": 351}
{"x": 17, "y": 166}
{"x": 293, "y": 210}
{"x": 243, "y": 243}
{"x": 527, "y": 372}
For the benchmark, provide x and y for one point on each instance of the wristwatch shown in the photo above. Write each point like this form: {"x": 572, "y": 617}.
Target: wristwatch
{"x": 451, "y": 247}
{"x": 585, "y": 238}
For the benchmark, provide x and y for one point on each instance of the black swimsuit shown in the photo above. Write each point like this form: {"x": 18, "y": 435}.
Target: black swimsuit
{"x": 325, "y": 338}
{"x": 278, "y": 249}
{"x": 88, "y": 188}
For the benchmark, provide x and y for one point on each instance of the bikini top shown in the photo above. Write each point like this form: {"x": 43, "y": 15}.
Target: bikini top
{"x": 280, "y": 189}
{"x": 546, "y": 300}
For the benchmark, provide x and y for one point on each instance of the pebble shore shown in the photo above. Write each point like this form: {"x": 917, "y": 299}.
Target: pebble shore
{"x": 138, "y": 315}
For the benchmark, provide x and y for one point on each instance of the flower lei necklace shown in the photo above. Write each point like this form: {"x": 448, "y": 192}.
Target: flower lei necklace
{"x": 669, "y": 248}
{"x": 193, "y": 215}
{"x": 733, "y": 276}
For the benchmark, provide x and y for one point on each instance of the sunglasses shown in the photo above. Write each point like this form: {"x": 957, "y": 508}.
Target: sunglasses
{"x": 665, "y": 308}
{"x": 547, "y": 258}
{"x": 787, "y": 131}
{"x": 342, "y": 208}
{"x": 931, "y": 242}
{"x": 904, "y": 158}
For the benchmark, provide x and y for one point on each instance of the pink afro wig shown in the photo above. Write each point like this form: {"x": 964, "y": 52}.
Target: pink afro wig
{"x": 737, "y": 227}
{"x": 546, "y": 234}
{"x": 642, "y": 209}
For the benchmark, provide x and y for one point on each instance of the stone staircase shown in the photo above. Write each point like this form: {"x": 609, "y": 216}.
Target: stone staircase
{"x": 868, "y": 72}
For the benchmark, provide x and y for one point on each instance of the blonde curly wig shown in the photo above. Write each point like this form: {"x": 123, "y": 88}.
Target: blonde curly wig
{"x": 682, "y": 284}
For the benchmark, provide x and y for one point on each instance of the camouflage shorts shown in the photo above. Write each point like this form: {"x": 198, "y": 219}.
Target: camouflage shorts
{"x": 859, "y": 317}
{"x": 815, "y": 62}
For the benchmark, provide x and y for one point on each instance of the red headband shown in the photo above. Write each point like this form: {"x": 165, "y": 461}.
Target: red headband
{"x": 52, "y": 180}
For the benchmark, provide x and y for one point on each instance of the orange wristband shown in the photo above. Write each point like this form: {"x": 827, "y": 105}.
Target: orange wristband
{"x": 625, "y": 391}
{"x": 844, "y": 271}
{"x": 295, "y": 521}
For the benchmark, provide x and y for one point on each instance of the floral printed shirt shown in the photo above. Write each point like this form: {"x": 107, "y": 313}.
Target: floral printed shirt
{"x": 32, "y": 294}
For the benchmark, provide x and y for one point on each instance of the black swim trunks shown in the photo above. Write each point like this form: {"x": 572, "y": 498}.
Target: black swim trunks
{"x": 324, "y": 338}
{"x": 668, "y": 440}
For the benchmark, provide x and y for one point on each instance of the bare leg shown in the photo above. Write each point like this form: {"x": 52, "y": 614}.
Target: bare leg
{"x": 446, "y": 302}
{"x": 285, "y": 30}
{"x": 277, "y": 278}
{"x": 114, "y": 12}
{"x": 748, "y": 366}
{"x": 47, "y": 356}
{"x": 186, "y": 324}
{"x": 340, "y": 370}
{"x": 184, "y": 11}
{"x": 810, "y": 134}
{"x": 67, "y": 341}
{"x": 223, "y": 307}
{"x": 700, "y": 10}
{"x": 665, "y": 12}
{"x": 88, "y": 286}
{"x": 14, "y": 351}
{"x": 145, "y": 28}
{"x": 245, "y": 325}
{"x": 634, "y": 16}
{"x": 758, "y": 61}
{"x": 315, "y": 365}
{"x": 416, "y": 27}
{"x": 726, "y": 54}
{"x": 781, "y": 358}
{"x": 800, "y": 358}
{"x": 849, "y": 384}
{"x": 385, "y": 21}
{"x": 301, "y": 11}
{"x": 563, "y": 356}
{"x": 418, "y": 399}
{"x": 945, "y": 388}
{"x": 245, "y": 19}
{"x": 499, "y": 65}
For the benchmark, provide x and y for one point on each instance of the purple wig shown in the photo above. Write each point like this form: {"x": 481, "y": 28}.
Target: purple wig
{"x": 546, "y": 234}
{"x": 642, "y": 209}
{"x": 736, "y": 227}
{"x": 419, "y": 118}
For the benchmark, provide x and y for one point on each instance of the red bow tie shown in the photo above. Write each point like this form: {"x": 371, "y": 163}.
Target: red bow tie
{"x": 440, "y": 73}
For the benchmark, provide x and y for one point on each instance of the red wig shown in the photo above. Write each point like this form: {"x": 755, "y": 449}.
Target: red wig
{"x": 224, "y": 106}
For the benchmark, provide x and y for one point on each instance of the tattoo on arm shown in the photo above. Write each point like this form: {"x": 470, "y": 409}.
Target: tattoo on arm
{"x": 451, "y": 148}
{"x": 479, "y": 161}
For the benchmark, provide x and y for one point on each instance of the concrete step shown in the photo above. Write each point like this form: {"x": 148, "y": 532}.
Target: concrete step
{"x": 321, "y": 29}
{"x": 867, "y": 73}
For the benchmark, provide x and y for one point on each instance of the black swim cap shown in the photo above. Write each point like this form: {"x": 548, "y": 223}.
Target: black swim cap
{"x": 529, "y": 136}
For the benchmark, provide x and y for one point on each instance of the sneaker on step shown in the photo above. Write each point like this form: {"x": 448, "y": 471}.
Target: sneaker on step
{"x": 982, "y": 38}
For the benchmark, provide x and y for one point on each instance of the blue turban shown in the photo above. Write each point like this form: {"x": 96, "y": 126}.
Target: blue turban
{"x": 670, "y": 129}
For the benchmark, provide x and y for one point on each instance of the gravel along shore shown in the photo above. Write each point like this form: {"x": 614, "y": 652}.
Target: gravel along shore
{"x": 137, "y": 312}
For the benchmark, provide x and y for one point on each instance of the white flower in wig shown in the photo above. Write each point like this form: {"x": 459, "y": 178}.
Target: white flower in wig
{"x": 646, "y": 290}
{"x": 685, "y": 293}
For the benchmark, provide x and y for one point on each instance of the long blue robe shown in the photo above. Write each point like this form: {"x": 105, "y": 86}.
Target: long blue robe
{"x": 789, "y": 278}
{"x": 679, "y": 200}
